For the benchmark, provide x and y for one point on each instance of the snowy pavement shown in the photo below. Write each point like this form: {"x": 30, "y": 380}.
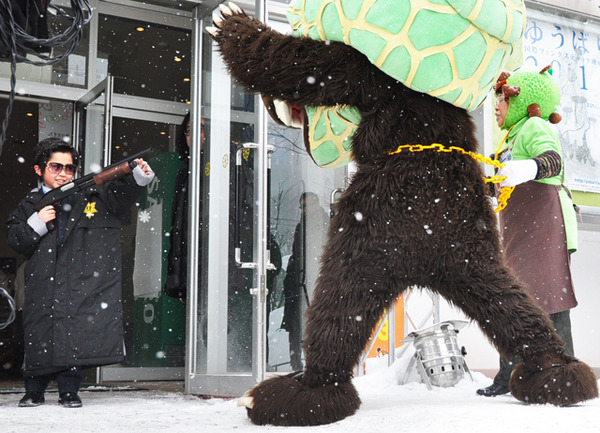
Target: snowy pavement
{"x": 386, "y": 407}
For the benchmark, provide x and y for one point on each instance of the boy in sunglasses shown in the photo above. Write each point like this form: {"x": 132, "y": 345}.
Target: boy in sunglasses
{"x": 72, "y": 313}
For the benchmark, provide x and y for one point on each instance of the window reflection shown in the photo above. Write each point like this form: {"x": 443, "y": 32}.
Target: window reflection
{"x": 69, "y": 72}
{"x": 146, "y": 59}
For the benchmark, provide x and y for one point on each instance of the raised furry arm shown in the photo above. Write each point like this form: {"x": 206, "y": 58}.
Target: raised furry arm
{"x": 298, "y": 70}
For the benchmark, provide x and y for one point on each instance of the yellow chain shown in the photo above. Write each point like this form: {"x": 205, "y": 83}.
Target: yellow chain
{"x": 505, "y": 192}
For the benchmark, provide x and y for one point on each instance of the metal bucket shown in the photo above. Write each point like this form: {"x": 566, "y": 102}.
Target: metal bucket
{"x": 440, "y": 361}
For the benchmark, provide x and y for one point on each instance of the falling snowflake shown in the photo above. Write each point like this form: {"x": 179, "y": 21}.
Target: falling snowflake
{"x": 144, "y": 216}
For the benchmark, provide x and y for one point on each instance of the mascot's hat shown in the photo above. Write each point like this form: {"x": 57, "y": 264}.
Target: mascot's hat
{"x": 452, "y": 50}
{"x": 532, "y": 94}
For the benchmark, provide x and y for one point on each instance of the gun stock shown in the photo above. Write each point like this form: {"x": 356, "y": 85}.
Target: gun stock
{"x": 113, "y": 173}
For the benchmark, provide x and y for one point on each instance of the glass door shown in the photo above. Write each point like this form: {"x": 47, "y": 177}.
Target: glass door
{"x": 301, "y": 199}
{"x": 154, "y": 322}
{"x": 265, "y": 214}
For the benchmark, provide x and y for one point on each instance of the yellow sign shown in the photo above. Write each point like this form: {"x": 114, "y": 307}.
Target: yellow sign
{"x": 381, "y": 345}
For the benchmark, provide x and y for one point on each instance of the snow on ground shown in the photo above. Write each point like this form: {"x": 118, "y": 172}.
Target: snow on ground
{"x": 386, "y": 407}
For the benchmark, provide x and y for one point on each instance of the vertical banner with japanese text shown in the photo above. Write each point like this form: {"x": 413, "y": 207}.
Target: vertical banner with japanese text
{"x": 572, "y": 48}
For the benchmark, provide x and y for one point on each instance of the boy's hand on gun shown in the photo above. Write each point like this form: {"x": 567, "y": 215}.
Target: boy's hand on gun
{"x": 142, "y": 173}
{"x": 47, "y": 213}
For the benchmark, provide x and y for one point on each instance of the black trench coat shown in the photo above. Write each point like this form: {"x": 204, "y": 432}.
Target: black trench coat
{"x": 72, "y": 314}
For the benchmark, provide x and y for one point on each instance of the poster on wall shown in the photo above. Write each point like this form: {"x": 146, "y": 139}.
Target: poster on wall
{"x": 572, "y": 48}
{"x": 55, "y": 119}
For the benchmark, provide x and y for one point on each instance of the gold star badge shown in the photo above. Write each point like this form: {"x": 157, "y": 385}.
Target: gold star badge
{"x": 90, "y": 209}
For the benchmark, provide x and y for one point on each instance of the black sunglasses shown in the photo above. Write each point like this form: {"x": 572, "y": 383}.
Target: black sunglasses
{"x": 57, "y": 167}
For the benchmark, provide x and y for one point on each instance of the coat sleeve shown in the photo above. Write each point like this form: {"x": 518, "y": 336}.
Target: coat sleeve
{"x": 20, "y": 235}
{"x": 121, "y": 194}
{"x": 538, "y": 137}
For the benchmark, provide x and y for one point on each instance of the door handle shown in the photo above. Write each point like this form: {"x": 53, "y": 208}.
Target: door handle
{"x": 270, "y": 266}
{"x": 333, "y": 198}
{"x": 238, "y": 208}
{"x": 237, "y": 241}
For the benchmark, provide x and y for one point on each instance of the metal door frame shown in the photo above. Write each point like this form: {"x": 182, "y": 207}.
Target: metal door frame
{"x": 106, "y": 87}
{"x": 209, "y": 380}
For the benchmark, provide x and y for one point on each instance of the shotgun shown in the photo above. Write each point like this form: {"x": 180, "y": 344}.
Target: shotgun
{"x": 108, "y": 174}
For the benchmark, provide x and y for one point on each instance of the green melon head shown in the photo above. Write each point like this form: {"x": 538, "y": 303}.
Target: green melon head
{"x": 530, "y": 94}
{"x": 453, "y": 50}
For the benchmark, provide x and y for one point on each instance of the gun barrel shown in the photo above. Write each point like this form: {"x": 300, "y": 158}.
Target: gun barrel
{"x": 138, "y": 155}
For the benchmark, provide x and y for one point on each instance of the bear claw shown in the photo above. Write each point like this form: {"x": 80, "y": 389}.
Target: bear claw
{"x": 235, "y": 8}
{"x": 217, "y": 19}
{"x": 246, "y": 400}
{"x": 225, "y": 10}
{"x": 213, "y": 31}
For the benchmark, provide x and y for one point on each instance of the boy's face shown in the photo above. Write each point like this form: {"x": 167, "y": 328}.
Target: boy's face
{"x": 59, "y": 170}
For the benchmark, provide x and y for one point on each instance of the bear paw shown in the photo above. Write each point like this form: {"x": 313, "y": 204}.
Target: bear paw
{"x": 227, "y": 12}
{"x": 287, "y": 401}
{"x": 561, "y": 384}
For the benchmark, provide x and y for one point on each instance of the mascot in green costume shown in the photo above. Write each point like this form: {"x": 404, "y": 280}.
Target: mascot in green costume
{"x": 388, "y": 84}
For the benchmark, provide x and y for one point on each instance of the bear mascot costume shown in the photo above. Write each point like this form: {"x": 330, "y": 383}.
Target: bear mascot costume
{"x": 388, "y": 84}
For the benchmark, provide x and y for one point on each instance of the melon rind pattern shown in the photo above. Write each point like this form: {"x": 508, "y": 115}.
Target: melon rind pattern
{"x": 453, "y": 50}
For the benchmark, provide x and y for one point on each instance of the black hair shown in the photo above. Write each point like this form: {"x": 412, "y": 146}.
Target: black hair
{"x": 45, "y": 148}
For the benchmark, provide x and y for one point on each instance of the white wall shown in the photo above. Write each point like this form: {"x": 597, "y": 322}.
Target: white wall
{"x": 585, "y": 318}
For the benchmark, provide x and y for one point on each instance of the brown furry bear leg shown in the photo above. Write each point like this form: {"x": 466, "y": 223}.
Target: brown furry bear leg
{"x": 568, "y": 382}
{"x": 516, "y": 325}
{"x": 350, "y": 297}
{"x": 288, "y": 401}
